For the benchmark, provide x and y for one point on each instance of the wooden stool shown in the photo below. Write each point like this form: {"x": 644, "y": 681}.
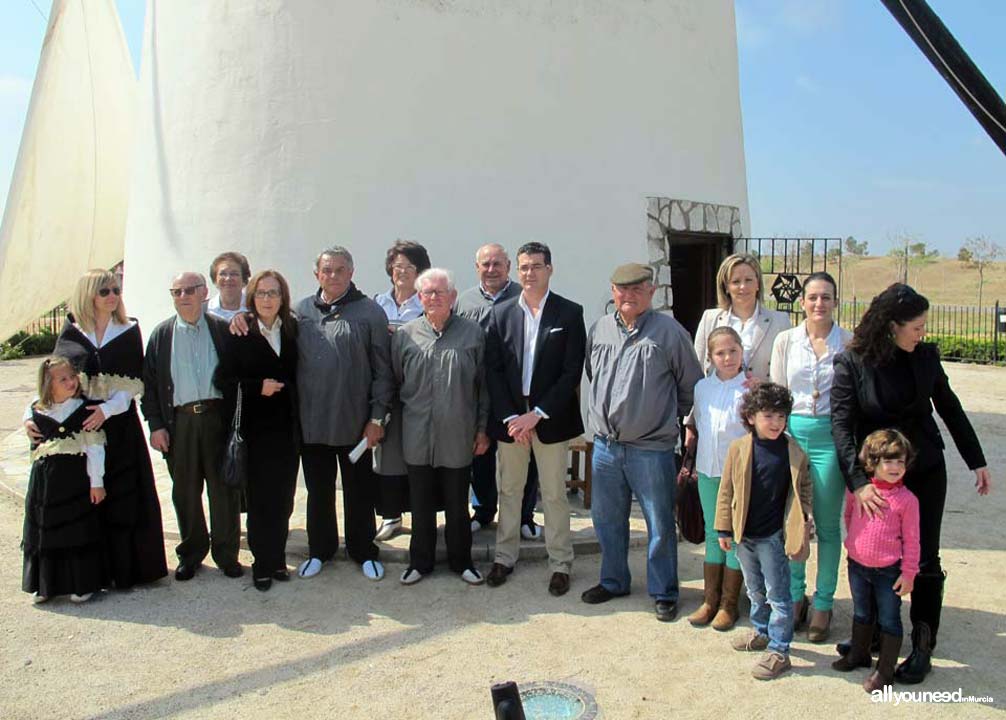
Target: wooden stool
{"x": 575, "y": 482}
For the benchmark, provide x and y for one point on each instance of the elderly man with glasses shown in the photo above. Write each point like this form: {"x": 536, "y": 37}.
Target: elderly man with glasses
{"x": 438, "y": 364}
{"x": 188, "y": 425}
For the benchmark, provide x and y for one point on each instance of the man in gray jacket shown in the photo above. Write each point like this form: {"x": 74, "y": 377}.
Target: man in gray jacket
{"x": 642, "y": 371}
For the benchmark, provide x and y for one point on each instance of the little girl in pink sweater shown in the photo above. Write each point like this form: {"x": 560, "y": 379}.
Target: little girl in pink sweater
{"x": 883, "y": 557}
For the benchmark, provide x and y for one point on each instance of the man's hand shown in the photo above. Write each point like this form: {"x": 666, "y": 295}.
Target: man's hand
{"x": 271, "y": 387}
{"x": 374, "y": 434}
{"x": 869, "y": 501}
{"x": 97, "y": 495}
{"x": 96, "y": 419}
{"x": 160, "y": 440}
{"x": 522, "y": 424}
{"x": 32, "y": 431}
{"x": 239, "y": 325}
{"x": 481, "y": 443}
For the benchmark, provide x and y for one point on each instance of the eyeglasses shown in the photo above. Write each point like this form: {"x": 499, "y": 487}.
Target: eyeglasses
{"x": 106, "y": 291}
{"x": 190, "y": 290}
{"x": 434, "y": 293}
{"x": 267, "y": 294}
{"x": 403, "y": 268}
{"x": 228, "y": 275}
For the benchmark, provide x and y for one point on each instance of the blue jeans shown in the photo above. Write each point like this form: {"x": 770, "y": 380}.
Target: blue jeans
{"x": 766, "y": 577}
{"x": 874, "y": 587}
{"x": 621, "y": 471}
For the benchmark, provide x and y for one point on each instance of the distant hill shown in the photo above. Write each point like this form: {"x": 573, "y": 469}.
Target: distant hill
{"x": 944, "y": 281}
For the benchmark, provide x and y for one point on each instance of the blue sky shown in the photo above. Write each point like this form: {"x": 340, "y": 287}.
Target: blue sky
{"x": 848, "y": 130}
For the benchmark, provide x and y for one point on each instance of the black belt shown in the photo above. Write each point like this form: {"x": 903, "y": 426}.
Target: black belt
{"x": 198, "y": 407}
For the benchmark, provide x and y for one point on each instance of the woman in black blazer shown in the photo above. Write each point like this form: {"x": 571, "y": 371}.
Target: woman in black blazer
{"x": 264, "y": 363}
{"x": 889, "y": 378}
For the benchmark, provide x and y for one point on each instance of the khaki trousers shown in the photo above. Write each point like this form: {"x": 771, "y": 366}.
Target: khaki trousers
{"x": 552, "y": 459}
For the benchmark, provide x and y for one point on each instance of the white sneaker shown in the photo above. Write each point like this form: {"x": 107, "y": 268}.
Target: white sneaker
{"x": 372, "y": 569}
{"x": 74, "y": 598}
{"x": 476, "y": 526}
{"x": 309, "y": 568}
{"x": 389, "y": 528}
{"x": 530, "y": 532}
{"x": 39, "y": 599}
{"x": 411, "y": 576}
{"x": 472, "y": 577}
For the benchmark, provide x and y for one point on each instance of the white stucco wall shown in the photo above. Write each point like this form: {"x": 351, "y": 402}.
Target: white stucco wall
{"x": 276, "y": 127}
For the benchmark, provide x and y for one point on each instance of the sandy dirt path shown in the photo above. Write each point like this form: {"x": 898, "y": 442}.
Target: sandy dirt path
{"x": 339, "y": 646}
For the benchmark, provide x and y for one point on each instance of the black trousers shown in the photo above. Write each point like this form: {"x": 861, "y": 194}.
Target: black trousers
{"x": 320, "y": 465}
{"x": 426, "y": 485}
{"x": 196, "y": 451}
{"x": 272, "y": 482}
{"x": 929, "y": 485}
{"x": 394, "y": 495}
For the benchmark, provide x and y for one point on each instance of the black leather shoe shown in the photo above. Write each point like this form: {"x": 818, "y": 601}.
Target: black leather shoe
{"x": 234, "y": 571}
{"x": 185, "y": 571}
{"x": 263, "y": 584}
{"x": 498, "y": 574}
{"x": 666, "y": 610}
{"x": 559, "y": 584}
{"x": 599, "y": 594}
{"x": 281, "y": 575}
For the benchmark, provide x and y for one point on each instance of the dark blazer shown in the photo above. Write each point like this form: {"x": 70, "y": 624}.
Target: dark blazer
{"x": 857, "y": 411}
{"x": 249, "y": 360}
{"x": 558, "y": 366}
{"x": 157, "y": 402}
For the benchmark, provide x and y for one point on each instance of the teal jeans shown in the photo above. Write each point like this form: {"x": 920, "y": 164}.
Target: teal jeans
{"x": 813, "y": 433}
{"x": 709, "y": 488}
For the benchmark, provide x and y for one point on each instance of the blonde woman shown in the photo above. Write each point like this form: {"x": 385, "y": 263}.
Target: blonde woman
{"x": 105, "y": 347}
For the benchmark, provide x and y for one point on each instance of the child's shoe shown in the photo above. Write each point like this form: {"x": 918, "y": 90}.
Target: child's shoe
{"x": 859, "y": 649}
{"x": 39, "y": 599}
{"x": 751, "y": 641}
{"x": 771, "y": 665}
{"x": 890, "y": 646}
{"x": 75, "y": 598}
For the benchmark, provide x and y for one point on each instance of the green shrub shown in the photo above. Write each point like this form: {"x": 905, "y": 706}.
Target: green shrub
{"x": 967, "y": 349}
{"x": 23, "y": 345}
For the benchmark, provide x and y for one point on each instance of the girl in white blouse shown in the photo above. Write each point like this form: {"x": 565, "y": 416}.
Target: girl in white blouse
{"x": 716, "y": 420}
{"x": 803, "y": 361}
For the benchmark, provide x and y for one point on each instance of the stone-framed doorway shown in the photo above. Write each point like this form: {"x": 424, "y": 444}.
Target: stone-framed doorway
{"x": 686, "y": 241}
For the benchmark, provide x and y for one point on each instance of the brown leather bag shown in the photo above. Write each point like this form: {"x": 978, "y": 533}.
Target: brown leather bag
{"x": 688, "y": 507}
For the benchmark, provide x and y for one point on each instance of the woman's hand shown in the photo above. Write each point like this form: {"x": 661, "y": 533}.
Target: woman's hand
{"x": 271, "y": 387}
{"x": 983, "y": 480}
{"x": 32, "y": 431}
{"x": 869, "y": 501}
{"x": 97, "y": 495}
{"x": 752, "y": 381}
{"x": 96, "y": 419}
{"x": 725, "y": 544}
{"x": 902, "y": 586}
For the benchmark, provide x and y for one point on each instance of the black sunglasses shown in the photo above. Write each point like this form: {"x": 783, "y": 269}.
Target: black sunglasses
{"x": 106, "y": 291}
{"x": 190, "y": 290}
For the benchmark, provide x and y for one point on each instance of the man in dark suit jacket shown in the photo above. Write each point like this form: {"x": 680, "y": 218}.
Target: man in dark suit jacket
{"x": 188, "y": 424}
{"x": 534, "y": 359}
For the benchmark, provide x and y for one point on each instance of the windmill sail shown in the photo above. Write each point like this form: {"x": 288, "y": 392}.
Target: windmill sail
{"x": 66, "y": 210}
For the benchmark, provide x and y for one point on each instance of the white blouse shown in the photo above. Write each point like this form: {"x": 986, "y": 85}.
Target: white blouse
{"x": 272, "y": 336}
{"x": 717, "y": 420}
{"x": 746, "y": 329}
{"x": 807, "y": 374}
{"x": 95, "y": 453}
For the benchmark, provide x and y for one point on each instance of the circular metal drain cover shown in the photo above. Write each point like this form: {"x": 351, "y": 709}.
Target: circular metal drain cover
{"x": 557, "y": 701}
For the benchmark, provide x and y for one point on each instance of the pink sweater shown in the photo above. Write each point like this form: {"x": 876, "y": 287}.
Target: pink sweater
{"x": 894, "y": 535}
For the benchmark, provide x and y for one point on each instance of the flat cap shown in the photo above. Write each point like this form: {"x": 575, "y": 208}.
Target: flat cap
{"x": 631, "y": 273}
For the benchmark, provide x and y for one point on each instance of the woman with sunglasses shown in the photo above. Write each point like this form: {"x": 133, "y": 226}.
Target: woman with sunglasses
{"x": 403, "y": 262}
{"x": 106, "y": 348}
{"x": 263, "y": 363}
{"x": 889, "y": 378}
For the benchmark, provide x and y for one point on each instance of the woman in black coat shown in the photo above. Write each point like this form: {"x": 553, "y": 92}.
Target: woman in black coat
{"x": 264, "y": 364}
{"x": 889, "y": 378}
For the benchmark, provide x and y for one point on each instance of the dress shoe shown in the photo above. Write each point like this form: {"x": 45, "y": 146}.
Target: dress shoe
{"x": 185, "y": 571}
{"x": 666, "y": 610}
{"x": 559, "y": 584}
{"x": 281, "y": 575}
{"x": 263, "y": 584}
{"x": 472, "y": 577}
{"x": 234, "y": 571}
{"x": 599, "y": 594}
{"x": 497, "y": 574}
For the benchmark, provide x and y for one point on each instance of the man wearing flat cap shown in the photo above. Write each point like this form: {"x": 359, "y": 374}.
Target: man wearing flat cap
{"x": 642, "y": 371}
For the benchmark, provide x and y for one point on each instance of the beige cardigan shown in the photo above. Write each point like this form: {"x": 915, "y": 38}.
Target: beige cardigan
{"x": 770, "y": 324}
{"x": 735, "y": 493}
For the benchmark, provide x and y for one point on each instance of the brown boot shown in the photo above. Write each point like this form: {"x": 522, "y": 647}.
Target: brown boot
{"x": 713, "y": 575}
{"x": 733, "y": 581}
{"x": 859, "y": 650}
{"x": 890, "y": 646}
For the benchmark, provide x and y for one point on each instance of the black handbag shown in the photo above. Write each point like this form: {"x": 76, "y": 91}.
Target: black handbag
{"x": 234, "y": 471}
{"x": 688, "y": 506}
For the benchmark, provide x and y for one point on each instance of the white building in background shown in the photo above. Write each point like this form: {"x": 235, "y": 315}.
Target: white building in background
{"x": 278, "y": 127}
